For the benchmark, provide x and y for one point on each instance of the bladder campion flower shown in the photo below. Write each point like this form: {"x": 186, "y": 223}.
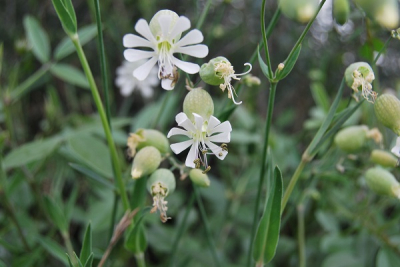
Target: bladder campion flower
{"x": 359, "y": 76}
{"x": 219, "y": 71}
{"x": 202, "y": 134}
{"x": 163, "y": 37}
{"x": 127, "y": 82}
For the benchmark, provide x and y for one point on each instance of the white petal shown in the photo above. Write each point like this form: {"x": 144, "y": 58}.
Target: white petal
{"x": 133, "y": 55}
{"x": 177, "y": 131}
{"x": 199, "y": 51}
{"x": 131, "y": 40}
{"x": 127, "y": 89}
{"x": 187, "y": 125}
{"x": 220, "y": 138}
{"x": 218, "y": 151}
{"x": 143, "y": 71}
{"x": 212, "y": 122}
{"x": 198, "y": 121}
{"x": 182, "y": 24}
{"x": 188, "y": 67}
{"x": 165, "y": 22}
{"x": 222, "y": 128}
{"x": 396, "y": 150}
{"x": 179, "y": 147}
{"x": 193, "y": 37}
{"x": 180, "y": 117}
{"x": 192, "y": 155}
{"x": 167, "y": 84}
{"x": 143, "y": 28}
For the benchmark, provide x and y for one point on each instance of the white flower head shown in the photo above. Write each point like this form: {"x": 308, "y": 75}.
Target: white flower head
{"x": 163, "y": 38}
{"x": 363, "y": 78}
{"x": 202, "y": 134}
{"x": 127, "y": 82}
{"x": 396, "y": 149}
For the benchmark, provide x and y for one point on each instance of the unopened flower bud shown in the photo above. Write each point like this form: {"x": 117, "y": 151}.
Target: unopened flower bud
{"x": 250, "y": 80}
{"x": 385, "y": 12}
{"x": 359, "y": 76}
{"x": 383, "y": 158}
{"x": 199, "y": 178}
{"x": 200, "y": 102}
{"x": 341, "y": 11}
{"x": 147, "y": 137}
{"x": 300, "y": 10}
{"x": 161, "y": 184}
{"x": 352, "y": 138}
{"x": 145, "y": 162}
{"x": 382, "y": 182}
{"x": 387, "y": 110}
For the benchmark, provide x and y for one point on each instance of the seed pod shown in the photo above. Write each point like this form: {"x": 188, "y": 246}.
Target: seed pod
{"x": 387, "y": 110}
{"x": 383, "y": 158}
{"x": 208, "y": 73}
{"x": 165, "y": 178}
{"x": 154, "y": 24}
{"x": 199, "y": 178}
{"x": 147, "y": 137}
{"x": 341, "y": 11}
{"x": 145, "y": 162}
{"x": 200, "y": 102}
{"x": 382, "y": 182}
{"x": 351, "y": 139}
{"x": 385, "y": 12}
{"x": 300, "y": 10}
{"x": 363, "y": 67}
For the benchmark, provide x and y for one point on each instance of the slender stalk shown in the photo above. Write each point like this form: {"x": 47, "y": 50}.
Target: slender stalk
{"x": 68, "y": 244}
{"x": 293, "y": 182}
{"x": 113, "y": 151}
{"x": 265, "y": 42}
{"x": 203, "y": 15}
{"x": 181, "y": 230}
{"x": 203, "y": 215}
{"x": 301, "y": 235}
{"x": 271, "y": 101}
{"x": 140, "y": 259}
{"x": 103, "y": 62}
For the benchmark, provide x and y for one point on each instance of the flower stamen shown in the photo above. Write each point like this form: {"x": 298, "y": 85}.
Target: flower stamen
{"x": 159, "y": 193}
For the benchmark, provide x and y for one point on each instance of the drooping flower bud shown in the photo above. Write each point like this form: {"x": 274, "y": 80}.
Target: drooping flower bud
{"x": 352, "y": 138}
{"x": 199, "y": 178}
{"x": 359, "y": 76}
{"x": 147, "y": 137}
{"x": 300, "y": 10}
{"x": 383, "y": 158}
{"x": 200, "y": 102}
{"x": 219, "y": 71}
{"x": 341, "y": 11}
{"x": 161, "y": 184}
{"x": 385, "y": 12}
{"x": 145, "y": 162}
{"x": 387, "y": 110}
{"x": 382, "y": 182}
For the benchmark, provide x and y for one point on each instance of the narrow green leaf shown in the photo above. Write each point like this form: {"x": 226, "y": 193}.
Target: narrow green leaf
{"x": 30, "y": 152}
{"x": 92, "y": 175}
{"x": 69, "y": 261}
{"x": 135, "y": 240}
{"x": 77, "y": 260}
{"x": 69, "y": 74}
{"x": 66, "y": 47}
{"x": 38, "y": 38}
{"x": 289, "y": 64}
{"x": 53, "y": 248}
{"x": 86, "y": 250}
{"x": 92, "y": 152}
{"x": 70, "y": 8}
{"x": 320, "y": 96}
{"x": 263, "y": 66}
{"x": 56, "y": 214}
{"x": 268, "y": 230}
{"x": 65, "y": 17}
{"x": 89, "y": 261}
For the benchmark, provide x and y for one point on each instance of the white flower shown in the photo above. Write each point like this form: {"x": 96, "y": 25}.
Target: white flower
{"x": 365, "y": 81}
{"x": 163, "y": 38}
{"x": 202, "y": 133}
{"x": 396, "y": 149}
{"x": 127, "y": 82}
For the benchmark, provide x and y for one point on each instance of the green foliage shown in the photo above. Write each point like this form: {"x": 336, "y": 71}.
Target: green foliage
{"x": 66, "y": 14}
{"x": 69, "y": 74}
{"x": 38, "y": 38}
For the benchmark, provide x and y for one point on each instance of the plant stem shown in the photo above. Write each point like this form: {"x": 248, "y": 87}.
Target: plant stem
{"x": 206, "y": 226}
{"x": 140, "y": 259}
{"x": 203, "y": 15}
{"x": 293, "y": 182}
{"x": 301, "y": 235}
{"x": 68, "y": 244}
{"x": 265, "y": 42}
{"x": 271, "y": 101}
{"x": 113, "y": 151}
{"x": 181, "y": 230}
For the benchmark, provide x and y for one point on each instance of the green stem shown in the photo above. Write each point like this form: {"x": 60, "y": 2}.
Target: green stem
{"x": 203, "y": 215}
{"x": 271, "y": 101}
{"x": 68, "y": 244}
{"x": 113, "y": 151}
{"x": 301, "y": 235}
{"x": 265, "y": 42}
{"x": 203, "y": 15}
{"x": 103, "y": 62}
{"x": 140, "y": 259}
{"x": 181, "y": 230}
{"x": 293, "y": 182}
